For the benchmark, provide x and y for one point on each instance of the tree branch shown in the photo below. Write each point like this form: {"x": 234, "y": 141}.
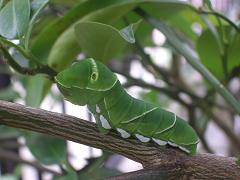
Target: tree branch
{"x": 151, "y": 156}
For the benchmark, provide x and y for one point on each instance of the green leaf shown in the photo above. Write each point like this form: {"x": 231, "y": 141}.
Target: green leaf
{"x": 95, "y": 168}
{"x": 37, "y": 5}
{"x": 156, "y": 98}
{"x": 8, "y": 94}
{"x": 70, "y": 176}
{"x": 1, "y": 3}
{"x": 47, "y": 149}
{"x": 35, "y": 92}
{"x": 102, "y": 41}
{"x": 233, "y": 53}
{"x": 209, "y": 52}
{"x": 14, "y": 18}
{"x": 179, "y": 15}
{"x": 42, "y": 45}
{"x": 7, "y": 132}
{"x": 238, "y": 161}
{"x": 128, "y": 32}
{"x": 8, "y": 177}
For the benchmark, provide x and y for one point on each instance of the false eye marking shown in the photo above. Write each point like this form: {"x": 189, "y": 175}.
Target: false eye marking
{"x": 142, "y": 138}
{"x": 104, "y": 122}
{"x": 98, "y": 109}
{"x": 123, "y": 133}
{"x": 95, "y": 74}
{"x": 159, "y": 142}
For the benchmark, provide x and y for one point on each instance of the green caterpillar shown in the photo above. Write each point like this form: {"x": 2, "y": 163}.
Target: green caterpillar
{"x": 91, "y": 83}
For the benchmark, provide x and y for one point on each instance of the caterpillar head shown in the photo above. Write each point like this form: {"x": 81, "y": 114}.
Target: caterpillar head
{"x": 85, "y": 82}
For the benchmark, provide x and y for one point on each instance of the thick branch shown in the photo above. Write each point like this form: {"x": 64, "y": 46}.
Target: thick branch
{"x": 151, "y": 156}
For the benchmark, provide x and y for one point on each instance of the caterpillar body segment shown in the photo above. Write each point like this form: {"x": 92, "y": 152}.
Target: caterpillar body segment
{"x": 91, "y": 83}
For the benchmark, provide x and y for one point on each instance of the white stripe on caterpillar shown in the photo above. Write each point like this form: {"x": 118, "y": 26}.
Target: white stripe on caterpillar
{"x": 184, "y": 149}
{"x": 142, "y": 138}
{"x": 172, "y": 144}
{"x": 159, "y": 142}
{"x": 97, "y": 109}
{"x": 123, "y": 133}
{"x": 104, "y": 122}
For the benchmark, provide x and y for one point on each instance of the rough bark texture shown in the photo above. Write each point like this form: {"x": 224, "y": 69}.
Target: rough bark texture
{"x": 159, "y": 162}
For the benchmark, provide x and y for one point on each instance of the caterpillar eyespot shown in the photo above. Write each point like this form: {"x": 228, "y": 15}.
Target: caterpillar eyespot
{"x": 89, "y": 82}
{"x": 94, "y": 76}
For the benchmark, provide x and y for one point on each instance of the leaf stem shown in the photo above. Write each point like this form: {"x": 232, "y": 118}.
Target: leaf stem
{"x": 44, "y": 69}
{"x": 220, "y": 16}
{"x": 191, "y": 57}
{"x": 30, "y": 27}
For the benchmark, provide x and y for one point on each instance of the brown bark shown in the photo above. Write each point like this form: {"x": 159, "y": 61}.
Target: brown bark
{"x": 157, "y": 160}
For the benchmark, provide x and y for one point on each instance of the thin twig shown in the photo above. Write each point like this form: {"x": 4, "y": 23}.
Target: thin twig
{"x": 44, "y": 69}
{"x": 10, "y": 156}
{"x": 221, "y": 16}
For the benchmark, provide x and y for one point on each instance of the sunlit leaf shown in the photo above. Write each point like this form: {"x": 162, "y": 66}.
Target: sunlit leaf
{"x": 209, "y": 52}
{"x": 233, "y": 52}
{"x": 14, "y": 18}
{"x": 102, "y": 41}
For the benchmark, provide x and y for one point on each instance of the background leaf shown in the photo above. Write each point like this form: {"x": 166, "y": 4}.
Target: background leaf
{"x": 14, "y": 18}
{"x": 35, "y": 87}
{"x": 7, "y": 132}
{"x": 8, "y": 94}
{"x": 108, "y": 39}
{"x": 47, "y": 149}
{"x": 209, "y": 52}
{"x": 233, "y": 52}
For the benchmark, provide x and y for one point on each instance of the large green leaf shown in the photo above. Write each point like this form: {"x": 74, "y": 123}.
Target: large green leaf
{"x": 212, "y": 56}
{"x": 43, "y": 43}
{"x": 102, "y": 41}
{"x": 14, "y": 18}
{"x": 209, "y": 52}
{"x": 233, "y": 58}
{"x": 177, "y": 14}
{"x": 47, "y": 149}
